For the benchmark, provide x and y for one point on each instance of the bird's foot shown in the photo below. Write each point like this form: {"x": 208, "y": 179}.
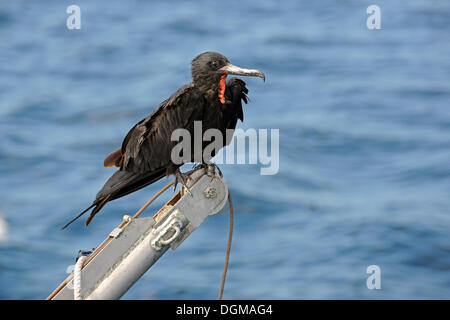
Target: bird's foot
{"x": 210, "y": 169}
{"x": 182, "y": 178}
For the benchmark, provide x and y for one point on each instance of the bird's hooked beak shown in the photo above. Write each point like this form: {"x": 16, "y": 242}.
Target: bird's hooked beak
{"x": 232, "y": 69}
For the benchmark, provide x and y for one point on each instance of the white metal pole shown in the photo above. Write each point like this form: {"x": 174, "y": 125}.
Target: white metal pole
{"x": 130, "y": 269}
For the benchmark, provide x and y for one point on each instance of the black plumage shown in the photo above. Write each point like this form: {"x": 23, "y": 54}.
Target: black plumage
{"x": 145, "y": 154}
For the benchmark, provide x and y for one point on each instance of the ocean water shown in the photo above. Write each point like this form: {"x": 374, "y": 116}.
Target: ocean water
{"x": 364, "y": 120}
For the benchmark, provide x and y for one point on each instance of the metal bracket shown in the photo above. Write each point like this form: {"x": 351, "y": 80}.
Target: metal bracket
{"x": 172, "y": 225}
{"x": 117, "y": 231}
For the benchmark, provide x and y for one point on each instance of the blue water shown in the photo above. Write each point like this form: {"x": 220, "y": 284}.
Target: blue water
{"x": 364, "y": 123}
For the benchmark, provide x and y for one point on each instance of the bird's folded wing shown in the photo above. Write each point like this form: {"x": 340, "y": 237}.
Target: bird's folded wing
{"x": 147, "y": 146}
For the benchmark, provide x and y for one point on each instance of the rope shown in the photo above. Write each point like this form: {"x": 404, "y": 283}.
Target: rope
{"x": 77, "y": 278}
{"x": 149, "y": 202}
{"x": 227, "y": 255}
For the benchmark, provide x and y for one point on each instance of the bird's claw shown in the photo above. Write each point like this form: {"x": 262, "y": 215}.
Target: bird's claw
{"x": 210, "y": 169}
{"x": 199, "y": 166}
{"x": 182, "y": 178}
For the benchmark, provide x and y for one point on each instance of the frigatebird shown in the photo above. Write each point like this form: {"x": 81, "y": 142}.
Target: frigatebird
{"x": 145, "y": 154}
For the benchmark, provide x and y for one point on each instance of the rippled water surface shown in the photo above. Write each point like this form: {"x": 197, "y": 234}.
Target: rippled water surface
{"x": 364, "y": 123}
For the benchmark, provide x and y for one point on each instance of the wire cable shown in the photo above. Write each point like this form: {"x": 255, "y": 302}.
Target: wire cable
{"x": 227, "y": 255}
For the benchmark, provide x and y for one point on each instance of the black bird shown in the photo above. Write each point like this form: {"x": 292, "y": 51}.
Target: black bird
{"x": 145, "y": 154}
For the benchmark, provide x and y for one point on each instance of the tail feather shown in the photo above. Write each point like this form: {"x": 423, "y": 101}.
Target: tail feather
{"x": 83, "y": 212}
{"x": 96, "y": 210}
{"x": 118, "y": 185}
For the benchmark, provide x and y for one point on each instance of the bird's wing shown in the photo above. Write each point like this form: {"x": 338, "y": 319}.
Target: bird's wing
{"x": 236, "y": 92}
{"x": 147, "y": 146}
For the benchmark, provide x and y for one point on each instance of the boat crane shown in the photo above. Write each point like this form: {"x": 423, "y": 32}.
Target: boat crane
{"x": 138, "y": 242}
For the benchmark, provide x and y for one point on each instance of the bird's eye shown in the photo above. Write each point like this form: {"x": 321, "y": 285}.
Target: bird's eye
{"x": 215, "y": 64}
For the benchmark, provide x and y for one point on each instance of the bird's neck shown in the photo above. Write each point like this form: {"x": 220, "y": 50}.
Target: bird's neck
{"x": 213, "y": 89}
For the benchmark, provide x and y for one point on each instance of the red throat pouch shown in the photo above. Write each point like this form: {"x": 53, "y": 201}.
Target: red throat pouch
{"x": 222, "y": 85}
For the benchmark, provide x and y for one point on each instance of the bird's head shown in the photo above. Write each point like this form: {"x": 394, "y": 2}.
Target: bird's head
{"x": 210, "y": 69}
